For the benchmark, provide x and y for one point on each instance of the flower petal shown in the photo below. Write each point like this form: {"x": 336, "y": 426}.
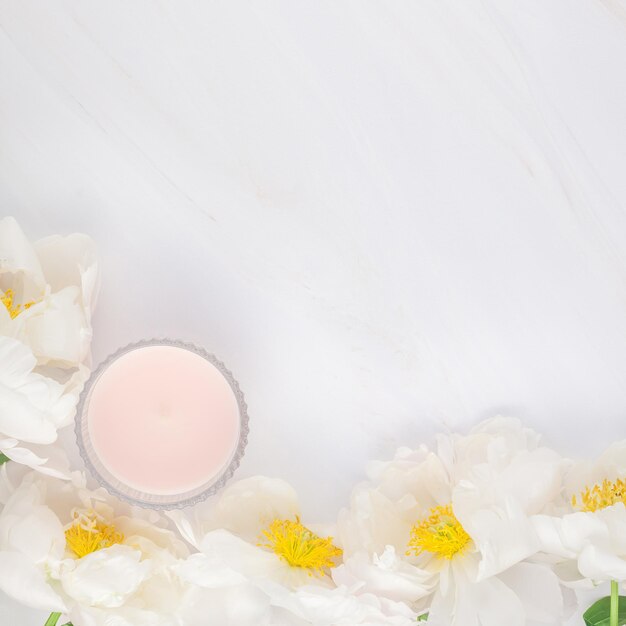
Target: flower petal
{"x": 19, "y": 257}
{"x": 210, "y": 572}
{"x": 248, "y": 506}
{"x": 373, "y": 522}
{"x": 36, "y": 533}
{"x": 59, "y": 332}
{"x": 243, "y": 605}
{"x": 55, "y": 463}
{"x": 340, "y": 607}
{"x": 496, "y": 501}
{"x": 21, "y": 579}
{"x": 601, "y": 565}
{"x": 487, "y": 603}
{"x": 388, "y": 576}
{"x": 106, "y": 577}
{"x": 228, "y": 551}
{"x": 539, "y": 591}
{"x": 70, "y": 262}
{"x": 30, "y": 404}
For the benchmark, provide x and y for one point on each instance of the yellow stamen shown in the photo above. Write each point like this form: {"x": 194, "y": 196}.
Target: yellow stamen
{"x": 88, "y": 534}
{"x": 440, "y": 533}
{"x": 601, "y": 495}
{"x": 300, "y": 547}
{"x": 14, "y": 309}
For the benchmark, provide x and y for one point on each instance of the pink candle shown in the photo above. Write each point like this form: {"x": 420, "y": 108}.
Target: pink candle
{"x": 162, "y": 424}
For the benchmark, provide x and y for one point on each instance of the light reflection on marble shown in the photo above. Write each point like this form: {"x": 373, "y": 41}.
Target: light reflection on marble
{"x": 388, "y": 218}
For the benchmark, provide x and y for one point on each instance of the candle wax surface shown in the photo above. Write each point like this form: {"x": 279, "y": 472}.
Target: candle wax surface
{"x": 163, "y": 420}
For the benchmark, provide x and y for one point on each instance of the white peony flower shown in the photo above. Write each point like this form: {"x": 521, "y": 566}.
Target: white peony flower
{"x": 587, "y": 531}
{"x": 255, "y": 533}
{"x": 32, "y": 409}
{"x": 253, "y": 547}
{"x": 48, "y": 291}
{"x": 64, "y": 548}
{"x": 450, "y": 531}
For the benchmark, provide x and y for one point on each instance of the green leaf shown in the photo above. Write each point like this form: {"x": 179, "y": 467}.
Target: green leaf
{"x": 423, "y": 617}
{"x": 3, "y": 458}
{"x": 598, "y": 614}
{"x": 53, "y": 619}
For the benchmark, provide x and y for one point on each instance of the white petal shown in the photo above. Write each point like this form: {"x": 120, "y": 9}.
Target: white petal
{"x": 60, "y": 332}
{"x": 497, "y": 605}
{"x": 37, "y": 533}
{"x": 155, "y": 538}
{"x": 72, "y": 380}
{"x": 106, "y": 577}
{"x": 611, "y": 464}
{"x": 613, "y": 460}
{"x": 341, "y": 607}
{"x": 601, "y": 565}
{"x": 487, "y": 603}
{"x": 19, "y": 257}
{"x": 248, "y": 506}
{"x": 6, "y": 486}
{"x": 418, "y": 476}
{"x": 549, "y": 532}
{"x": 54, "y": 463}
{"x": 60, "y": 496}
{"x": 209, "y": 572}
{"x": 569, "y": 575}
{"x": 388, "y": 576}
{"x": 16, "y": 362}
{"x": 245, "y": 508}
{"x": 538, "y": 589}
{"x": 226, "y": 550}
{"x": 568, "y": 535}
{"x": 372, "y": 522}
{"x": 21, "y": 579}
{"x": 517, "y": 436}
{"x": 503, "y": 534}
{"x": 30, "y": 405}
{"x": 614, "y": 518}
{"x": 496, "y": 500}
{"x": 70, "y": 261}
{"x": 190, "y": 532}
{"x": 243, "y": 605}
{"x": 23, "y": 498}
{"x": 123, "y": 616}
{"x": 22, "y": 419}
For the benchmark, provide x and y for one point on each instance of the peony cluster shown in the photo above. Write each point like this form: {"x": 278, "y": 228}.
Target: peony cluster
{"x": 481, "y": 529}
{"x": 47, "y": 294}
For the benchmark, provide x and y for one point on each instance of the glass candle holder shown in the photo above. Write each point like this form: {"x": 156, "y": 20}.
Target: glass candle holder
{"x": 162, "y": 424}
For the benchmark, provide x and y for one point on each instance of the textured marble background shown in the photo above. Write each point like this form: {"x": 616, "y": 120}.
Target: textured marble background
{"x": 388, "y": 218}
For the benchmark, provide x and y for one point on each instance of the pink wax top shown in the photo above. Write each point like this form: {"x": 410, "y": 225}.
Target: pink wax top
{"x": 163, "y": 420}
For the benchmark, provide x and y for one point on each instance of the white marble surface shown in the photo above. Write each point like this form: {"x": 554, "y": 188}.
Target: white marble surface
{"x": 388, "y": 218}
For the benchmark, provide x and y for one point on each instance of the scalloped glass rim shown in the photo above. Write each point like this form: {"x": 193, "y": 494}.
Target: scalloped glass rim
{"x": 151, "y": 501}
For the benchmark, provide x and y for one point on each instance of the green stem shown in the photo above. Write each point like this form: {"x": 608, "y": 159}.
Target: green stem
{"x": 53, "y": 619}
{"x": 614, "y": 603}
{"x": 3, "y": 458}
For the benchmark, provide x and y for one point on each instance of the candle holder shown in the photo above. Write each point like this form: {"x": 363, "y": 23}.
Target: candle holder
{"x": 217, "y": 377}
